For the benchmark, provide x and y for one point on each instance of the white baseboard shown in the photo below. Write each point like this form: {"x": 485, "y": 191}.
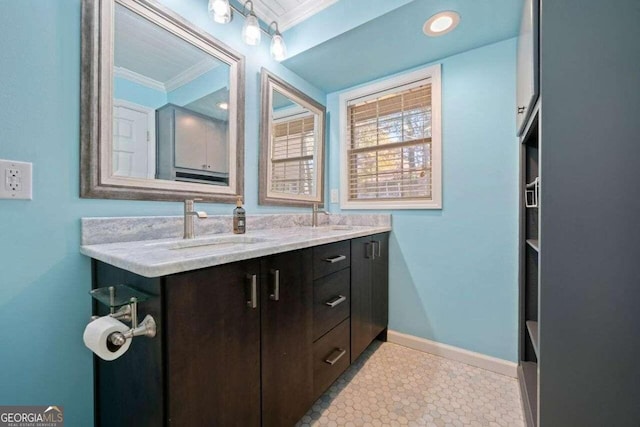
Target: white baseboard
{"x": 493, "y": 364}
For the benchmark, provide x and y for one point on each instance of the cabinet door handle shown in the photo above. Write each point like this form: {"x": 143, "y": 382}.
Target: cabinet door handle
{"x": 333, "y": 358}
{"x": 275, "y": 295}
{"x": 335, "y": 259}
{"x": 378, "y": 244}
{"x": 370, "y": 250}
{"x": 336, "y": 301}
{"x": 252, "y": 302}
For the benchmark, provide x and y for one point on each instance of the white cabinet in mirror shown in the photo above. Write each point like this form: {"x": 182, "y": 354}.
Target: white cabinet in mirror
{"x": 291, "y": 145}
{"x": 163, "y": 106}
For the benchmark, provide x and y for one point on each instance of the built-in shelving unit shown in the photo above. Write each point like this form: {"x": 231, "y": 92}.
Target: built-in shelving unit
{"x": 531, "y": 182}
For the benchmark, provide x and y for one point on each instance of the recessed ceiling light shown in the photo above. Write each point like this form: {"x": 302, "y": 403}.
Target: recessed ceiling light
{"x": 441, "y": 23}
{"x": 223, "y": 106}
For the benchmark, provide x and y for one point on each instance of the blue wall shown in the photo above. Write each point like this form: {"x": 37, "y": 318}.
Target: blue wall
{"x": 138, "y": 94}
{"x": 210, "y": 82}
{"x": 44, "y": 281}
{"x": 453, "y": 272}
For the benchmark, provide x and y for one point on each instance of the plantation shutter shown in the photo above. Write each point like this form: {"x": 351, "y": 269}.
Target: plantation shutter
{"x": 292, "y": 166}
{"x": 389, "y": 145}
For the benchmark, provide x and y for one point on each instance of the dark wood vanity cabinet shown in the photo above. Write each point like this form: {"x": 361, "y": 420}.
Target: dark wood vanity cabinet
{"x": 239, "y": 343}
{"x": 369, "y": 291}
{"x": 249, "y": 343}
{"x": 286, "y": 309}
{"x": 212, "y": 346}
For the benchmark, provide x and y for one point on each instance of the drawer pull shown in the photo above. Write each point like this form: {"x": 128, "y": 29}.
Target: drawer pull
{"x": 337, "y": 301}
{"x": 335, "y": 259}
{"x": 333, "y": 360}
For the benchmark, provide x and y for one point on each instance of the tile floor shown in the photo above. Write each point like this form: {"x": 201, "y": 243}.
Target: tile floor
{"x": 391, "y": 385}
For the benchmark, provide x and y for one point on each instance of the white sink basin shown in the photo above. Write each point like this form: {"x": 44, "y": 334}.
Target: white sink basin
{"x": 208, "y": 242}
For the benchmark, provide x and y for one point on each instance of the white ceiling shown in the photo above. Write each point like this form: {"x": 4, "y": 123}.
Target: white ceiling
{"x": 288, "y": 13}
{"x": 152, "y": 56}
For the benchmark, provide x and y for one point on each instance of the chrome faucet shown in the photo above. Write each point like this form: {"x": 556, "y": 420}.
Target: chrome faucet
{"x": 314, "y": 215}
{"x": 189, "y": 218}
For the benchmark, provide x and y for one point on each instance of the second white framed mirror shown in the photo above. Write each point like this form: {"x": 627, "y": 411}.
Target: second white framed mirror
{"x": 291, "y": 145}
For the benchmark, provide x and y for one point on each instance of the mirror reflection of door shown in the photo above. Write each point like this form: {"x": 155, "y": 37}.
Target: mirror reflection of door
{"x": 133, "y": 140}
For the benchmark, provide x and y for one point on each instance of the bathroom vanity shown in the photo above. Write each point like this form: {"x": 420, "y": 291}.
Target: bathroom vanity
{"x": 251, "y": 329}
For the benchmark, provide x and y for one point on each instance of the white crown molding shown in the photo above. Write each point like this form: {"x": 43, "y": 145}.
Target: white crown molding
{"x": 291, "y": 17}
{"x": 493, "y": 364}
{"x": 132, "y": 76}
{"x": 190, "y": 74}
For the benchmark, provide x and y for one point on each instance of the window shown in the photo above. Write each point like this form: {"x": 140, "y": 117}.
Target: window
{"x": 292, "y": 155}
{"x": 391, "y": 145}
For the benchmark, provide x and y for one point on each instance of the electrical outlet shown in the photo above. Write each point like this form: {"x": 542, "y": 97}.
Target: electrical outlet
{"x": 335, "y": 196}
{"x": 17, "y": 180}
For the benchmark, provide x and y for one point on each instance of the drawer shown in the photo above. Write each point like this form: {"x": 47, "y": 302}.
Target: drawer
{"x": 330, "y": 357}
{"x": 330, "y": 258}
{"x": 331, "y": 301}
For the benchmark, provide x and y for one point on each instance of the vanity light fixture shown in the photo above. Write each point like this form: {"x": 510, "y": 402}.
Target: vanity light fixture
{"x": 223, "y": 105}
{"x": 278, "y": 48}
{"x": 220, "y": 11}
{"x": 251, "y": 29}
{"x": 441, "y": 23}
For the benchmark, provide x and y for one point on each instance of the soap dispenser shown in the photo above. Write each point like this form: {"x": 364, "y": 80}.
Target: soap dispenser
{"x": 239, "y": 218}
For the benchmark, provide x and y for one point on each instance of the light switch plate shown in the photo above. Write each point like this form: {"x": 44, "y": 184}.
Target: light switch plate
{"x": 335, "y": 196}
{"x": 16, "y": 180}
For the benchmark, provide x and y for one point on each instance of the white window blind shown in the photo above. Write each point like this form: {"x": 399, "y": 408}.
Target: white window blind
{"x": 389, "y": 147}
{"x": 292, "y": 148}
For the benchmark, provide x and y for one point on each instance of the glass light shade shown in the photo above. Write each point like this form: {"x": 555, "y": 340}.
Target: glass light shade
{"x": 278, "y": 48}
{"x": 220, "y": 11}
{"x": 251, "y": 31}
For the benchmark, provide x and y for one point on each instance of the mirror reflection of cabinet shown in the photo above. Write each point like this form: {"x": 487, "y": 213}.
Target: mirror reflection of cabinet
{"x": 192, "y": 147}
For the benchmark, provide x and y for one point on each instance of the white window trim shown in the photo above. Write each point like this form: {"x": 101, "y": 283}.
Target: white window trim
{"x": 432, "y": 73}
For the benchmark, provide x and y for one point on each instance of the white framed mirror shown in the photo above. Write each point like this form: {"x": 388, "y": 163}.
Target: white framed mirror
{"x": 291, "y": 145}
{"x": 162, "y": 106}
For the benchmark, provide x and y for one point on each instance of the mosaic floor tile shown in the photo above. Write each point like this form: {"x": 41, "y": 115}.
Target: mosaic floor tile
{"x": 391, "y": 385}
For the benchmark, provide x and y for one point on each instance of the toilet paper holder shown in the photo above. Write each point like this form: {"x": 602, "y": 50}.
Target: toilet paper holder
{"x": 127, "y": 300}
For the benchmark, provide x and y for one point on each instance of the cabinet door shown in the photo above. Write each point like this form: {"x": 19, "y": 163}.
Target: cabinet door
{"x": 380, "y": 285}
{"x": 217, "y": 147}
{"x": 361, "y": 295}
{"x": 213, "y": 347}
{"x": 190, "y": 141}
{"x": 527, "y": 63}
{"x": 287, "y": 369}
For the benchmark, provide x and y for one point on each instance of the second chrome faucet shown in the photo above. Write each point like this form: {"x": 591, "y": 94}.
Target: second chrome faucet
{"x": 314, "y": 214}
{"x": 189, "y": 218}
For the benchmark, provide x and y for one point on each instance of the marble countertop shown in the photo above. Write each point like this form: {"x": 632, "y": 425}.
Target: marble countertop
{"x": 161, "y": 257}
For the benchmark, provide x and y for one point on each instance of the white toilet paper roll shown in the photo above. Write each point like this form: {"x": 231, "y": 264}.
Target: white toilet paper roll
{"x": 96, "y": 337}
